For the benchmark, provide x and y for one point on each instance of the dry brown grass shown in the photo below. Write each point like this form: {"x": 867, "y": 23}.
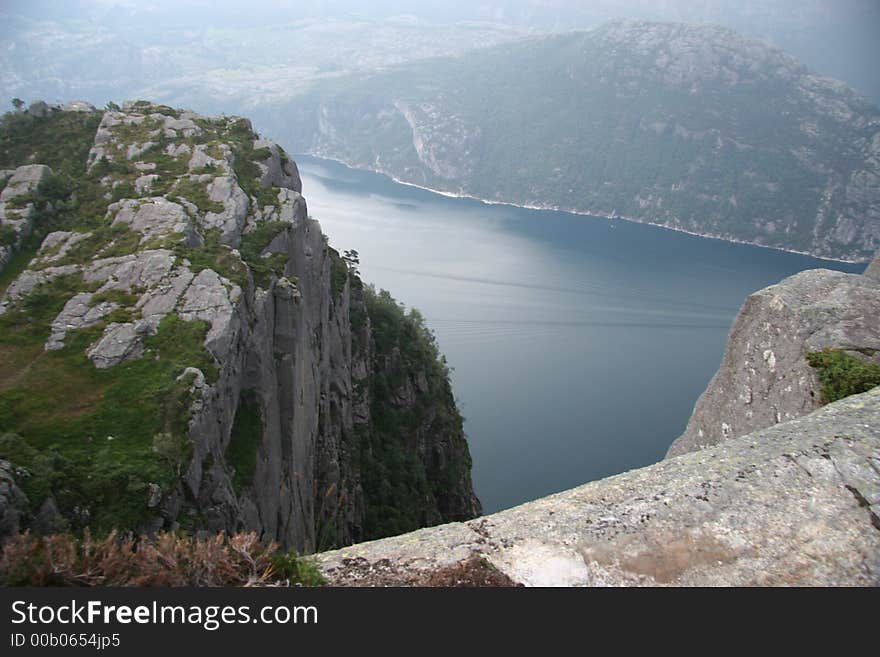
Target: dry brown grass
{"x": 164, "y": 560}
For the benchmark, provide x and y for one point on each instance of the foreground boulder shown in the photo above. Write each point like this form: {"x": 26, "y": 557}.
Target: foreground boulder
{"x": 794, "y": 504}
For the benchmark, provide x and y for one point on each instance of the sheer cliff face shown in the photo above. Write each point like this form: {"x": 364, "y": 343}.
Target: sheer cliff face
{"x": 215, "y": 358}
{"x": 765, "y": 377}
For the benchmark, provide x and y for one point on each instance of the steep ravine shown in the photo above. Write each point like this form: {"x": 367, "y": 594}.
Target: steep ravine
{"x": 185, "y": 349}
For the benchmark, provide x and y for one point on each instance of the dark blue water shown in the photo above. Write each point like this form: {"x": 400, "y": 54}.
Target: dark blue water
{"x": 579, "y": 345}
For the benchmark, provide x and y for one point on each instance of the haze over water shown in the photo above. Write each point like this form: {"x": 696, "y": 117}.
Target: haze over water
{"x": 578, "y": 345}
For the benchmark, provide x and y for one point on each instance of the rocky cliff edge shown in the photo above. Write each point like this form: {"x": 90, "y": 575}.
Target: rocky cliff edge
{"x": 794, "y": 504}
{"x": 765, "y": 376}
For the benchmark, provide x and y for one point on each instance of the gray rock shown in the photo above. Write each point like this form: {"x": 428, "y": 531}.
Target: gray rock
{"x": 56, "y": 245}
{"x": 873, "y": 271}
{"x": 120, "y": 343}
{"x": 178, "y": 150}
{"x": 293, "y": 206}
{"x": 163, "y": 296}
{"x": 185, "y": 125}
{"x": 213, "y": 299}
{"x": 39, "y": 109}
{"x": 78, "y": 106}
{"x": 78, "y": 313}
{"x": 788, "y": 505}
{"x": 144, "y": 184}
{"x": 25, "y": 179}
{"x": 231, "y": 221}
{"x": 134, "y": 151}
{"x": 277, "y": 172}
{"x": 201, "y": 159}
{"x": 28, "y": 280}
{"x": 13, "y": 502}
{"x": 764, "y": 377}
{"x": 49, "y": 519}
{"x": 155, "y": 217}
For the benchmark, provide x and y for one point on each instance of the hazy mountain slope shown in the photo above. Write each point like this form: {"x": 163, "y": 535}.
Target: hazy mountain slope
{"x": 691, "y": 127}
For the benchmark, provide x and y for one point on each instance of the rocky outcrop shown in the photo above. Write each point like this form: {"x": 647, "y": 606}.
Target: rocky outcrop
{"x": 795, "y": 504}
{"x": 764, "y": 377}
{"x": 265, "y": 413}
{"x": 18, "y": 205}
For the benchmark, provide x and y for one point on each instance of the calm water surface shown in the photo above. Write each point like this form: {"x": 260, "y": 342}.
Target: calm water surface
{"x": 578, "y": 345}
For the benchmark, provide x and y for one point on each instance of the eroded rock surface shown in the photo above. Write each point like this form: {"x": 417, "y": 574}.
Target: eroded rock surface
{"x": 795, "y": 504}
{"x": 764, "y": 377}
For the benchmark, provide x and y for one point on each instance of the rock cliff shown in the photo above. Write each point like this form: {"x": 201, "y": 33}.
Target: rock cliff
{"x": 182, "y": 348}
{"x": 795, "y": 504}
{"x": 765, "y": 376}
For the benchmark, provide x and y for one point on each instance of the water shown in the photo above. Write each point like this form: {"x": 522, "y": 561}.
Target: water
{"x": 578, "y": 345}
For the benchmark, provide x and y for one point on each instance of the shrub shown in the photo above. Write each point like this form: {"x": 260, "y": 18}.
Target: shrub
{"x": 842, "y": 374}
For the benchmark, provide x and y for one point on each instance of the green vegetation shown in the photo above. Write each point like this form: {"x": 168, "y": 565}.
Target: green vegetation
{"x": 843, "y": 374}
{"x": 105, "y": 241}
{"x": 402, "y": 492}
{"x": 61, "y": 141}
{"x": 214, "y": 255}
{"x": 338, "y": 273}
{"x": 241, "y": 138}
{"x": 87, "y": 435}
{"x": 252, "y": 246}
{"x": 197, "y": 193}
{"x": 296, "y": 570}
{"x": 8, "y": 235}
{"x": 247, "y": 433}
{"x": 115, "y": 296}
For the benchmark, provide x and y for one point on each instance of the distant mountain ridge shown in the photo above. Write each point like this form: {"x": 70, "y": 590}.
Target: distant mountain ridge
{"x": 692, "y": 127}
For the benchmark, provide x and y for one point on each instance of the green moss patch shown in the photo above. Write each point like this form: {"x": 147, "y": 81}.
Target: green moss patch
{"x": 842, "y": 374}
{"x": 197, "y": 193}
{"x": 252, "y": 246}
{"x": 214, "y": 255}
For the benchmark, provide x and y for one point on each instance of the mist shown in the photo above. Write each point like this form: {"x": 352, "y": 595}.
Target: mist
{"x": 246, "y": 57}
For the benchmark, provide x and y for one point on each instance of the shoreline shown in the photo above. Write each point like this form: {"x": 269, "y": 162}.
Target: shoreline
{"x": 581, "y": 213}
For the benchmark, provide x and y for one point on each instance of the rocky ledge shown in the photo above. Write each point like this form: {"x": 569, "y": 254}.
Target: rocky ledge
{"x": 765, "y": 376}
{"x": 794, "y": 504}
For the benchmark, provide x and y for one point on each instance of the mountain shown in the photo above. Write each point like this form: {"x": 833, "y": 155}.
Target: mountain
{"x": 181, "y": 348}
{"x": 690, "y": 127}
